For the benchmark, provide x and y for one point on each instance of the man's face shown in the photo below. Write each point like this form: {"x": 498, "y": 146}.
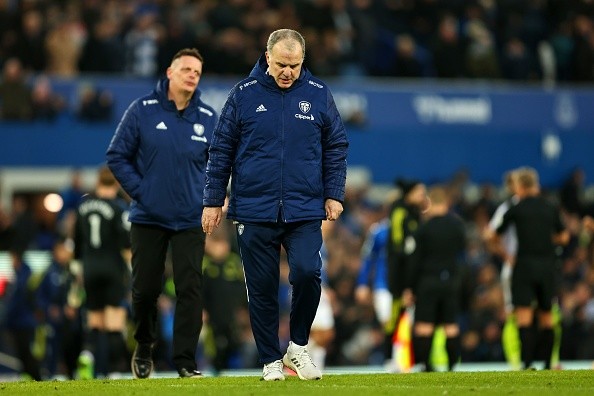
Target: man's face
{"x": 184, "y": 74}
{"x": 284, "y": 62}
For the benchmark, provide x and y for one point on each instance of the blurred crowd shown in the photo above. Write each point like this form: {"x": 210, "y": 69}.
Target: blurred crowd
{"x": 520, "y": 40}
{"x": 511, "y": 39}
{"x": 358, "y": 336}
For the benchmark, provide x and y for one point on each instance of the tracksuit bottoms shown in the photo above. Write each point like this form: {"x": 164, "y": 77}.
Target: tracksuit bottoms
{"x": 260, "y": 248}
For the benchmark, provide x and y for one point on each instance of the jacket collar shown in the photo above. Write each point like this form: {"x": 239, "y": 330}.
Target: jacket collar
{"x": 161, "y": 92}
{"x": 260, "y": 73}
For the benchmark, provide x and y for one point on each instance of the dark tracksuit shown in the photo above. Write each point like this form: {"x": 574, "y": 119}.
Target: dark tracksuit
{"x": 536, "y": 222}
{"x": 101, "y": 234}
{"x": 52, "y": 296}
{"x": 434, "y": 277}
{"x": 286, "y": 150}
{"x": 534, "y": 272}
{"x": 20, "y": 319}
{"x": 403, "y": 222}
{"x": 224, "y": 298}
{"x": 159, "y": 157}
{"x": 434, "y": 273}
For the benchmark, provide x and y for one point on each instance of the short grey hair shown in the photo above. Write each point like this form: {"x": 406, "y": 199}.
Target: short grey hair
{"x": 285, "y": 34}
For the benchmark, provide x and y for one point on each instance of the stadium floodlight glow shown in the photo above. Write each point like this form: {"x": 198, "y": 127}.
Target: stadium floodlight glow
{"x": 53, "y": 202}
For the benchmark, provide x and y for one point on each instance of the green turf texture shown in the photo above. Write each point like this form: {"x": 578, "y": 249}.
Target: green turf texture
{"x": 541, "y": 383}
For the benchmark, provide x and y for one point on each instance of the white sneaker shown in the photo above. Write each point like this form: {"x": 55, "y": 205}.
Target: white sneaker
{"x": 273, "y": 371}
{"x": 297, "y": 359}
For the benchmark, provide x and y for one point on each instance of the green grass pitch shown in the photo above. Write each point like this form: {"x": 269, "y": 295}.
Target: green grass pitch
{"x": 521, "y": 383}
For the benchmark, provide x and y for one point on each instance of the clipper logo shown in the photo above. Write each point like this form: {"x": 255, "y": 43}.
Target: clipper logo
{"x": 198, "y": 132}
{"x": 304, "y": 107}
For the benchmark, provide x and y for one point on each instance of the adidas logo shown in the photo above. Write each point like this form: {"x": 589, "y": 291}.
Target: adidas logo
{"x": 261, "y": 108}
{"x": 296, "y": 362}
{"x": 161, "y": 125}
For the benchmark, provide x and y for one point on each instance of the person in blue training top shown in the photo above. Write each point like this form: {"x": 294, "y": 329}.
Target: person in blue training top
{"x": 158, "y": 154}
{"x": 372, "y": 281}
{"x": 58, "y": 314}
{"x": 19, "y": 317}
{"x": 322, "y": 332}
{"x": 282, "y": 138}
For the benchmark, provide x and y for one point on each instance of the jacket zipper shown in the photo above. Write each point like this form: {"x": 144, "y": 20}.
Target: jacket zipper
{"x": 179, "y": 119}
{"x": 282, "y": 159}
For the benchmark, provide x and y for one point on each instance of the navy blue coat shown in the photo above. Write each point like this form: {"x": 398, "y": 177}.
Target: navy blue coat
{"x": 20, "y": 302}
{"x": 285, "y": 148}
{"x": 53, "y": 291}
{"x": 159, "y": 158}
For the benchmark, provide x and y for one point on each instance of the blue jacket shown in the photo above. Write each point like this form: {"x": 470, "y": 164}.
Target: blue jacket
{"x": 286, "y": 150}
{"x": 20, "y": 304}
{"x": 159, "y": 158}
{"x": 53, "y": 290}
{"x": 373, "y": 271}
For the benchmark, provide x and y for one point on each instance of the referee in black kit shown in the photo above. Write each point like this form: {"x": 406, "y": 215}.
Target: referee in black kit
{"x": 539, "y": 228}
{"x": 433, "y": 280}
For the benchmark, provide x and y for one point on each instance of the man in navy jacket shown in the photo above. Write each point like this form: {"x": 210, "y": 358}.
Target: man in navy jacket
{"x": 282, "y": 139}
{"x": 158, "y": 154}
{"x": 19, "y": 317}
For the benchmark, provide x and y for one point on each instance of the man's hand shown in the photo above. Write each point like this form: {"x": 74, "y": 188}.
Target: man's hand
{"x": 333, "y": 209}
{"x": 211, "y": 218}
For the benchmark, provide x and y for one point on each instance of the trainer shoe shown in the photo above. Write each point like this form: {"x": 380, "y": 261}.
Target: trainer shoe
{"x": 142, "y": 361}
{"x": 273, "y": 371}
{"x": 185, "y": 373}
{"x": 297, "y": 359}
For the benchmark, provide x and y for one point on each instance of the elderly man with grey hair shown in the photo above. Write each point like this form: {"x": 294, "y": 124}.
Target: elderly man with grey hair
{"x": 282, "y": 139}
